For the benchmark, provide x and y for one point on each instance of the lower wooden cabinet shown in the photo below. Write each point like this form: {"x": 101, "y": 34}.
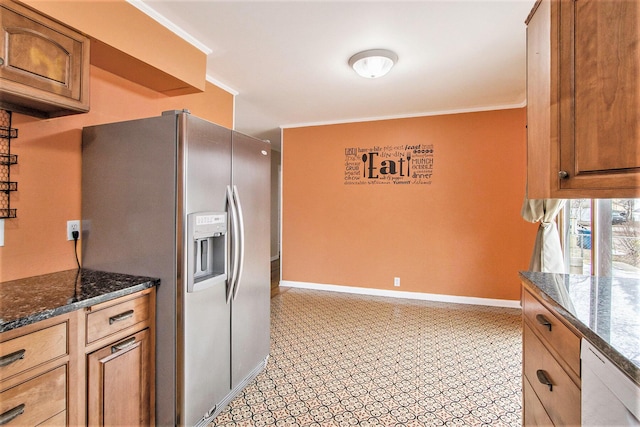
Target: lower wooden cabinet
{"x": 120, "y": 354}
{"x": 550, "y": 367}
{"x": 35, "y": 379}
{"x": 94, "y": 366}
{"x": 118, "y": 383}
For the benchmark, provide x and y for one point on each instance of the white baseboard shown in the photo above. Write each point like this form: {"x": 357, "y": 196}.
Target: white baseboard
{"x": 403, "y": 294}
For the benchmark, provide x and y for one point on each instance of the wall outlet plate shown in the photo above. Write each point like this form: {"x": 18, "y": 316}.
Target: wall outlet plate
{"x": 396, "y": 281}
{"x": 71, "y": 227}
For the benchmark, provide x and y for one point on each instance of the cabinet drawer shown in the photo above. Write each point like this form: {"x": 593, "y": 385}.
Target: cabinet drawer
{"x": 36, "y": 400}
{"x": 109, "y": 320}
{"x": 562, "y": 398}
{"x": 534, "y": 413}
{"x": 56, "y": 420}
{"x": 564, "y": 342}
{"x": 28, "y": 351}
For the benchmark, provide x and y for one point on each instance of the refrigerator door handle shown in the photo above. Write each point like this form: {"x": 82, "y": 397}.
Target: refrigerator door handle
{"x": 241, "y": 238}
{"x": 234, "y": 243}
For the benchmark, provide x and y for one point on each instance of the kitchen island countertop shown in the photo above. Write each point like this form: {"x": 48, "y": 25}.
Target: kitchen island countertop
{"x": 606, "y": 310}
{"x": 32, "y": 299}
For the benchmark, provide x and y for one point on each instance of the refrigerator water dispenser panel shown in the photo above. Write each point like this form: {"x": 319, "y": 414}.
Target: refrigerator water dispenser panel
{"x": 207, "y": 250}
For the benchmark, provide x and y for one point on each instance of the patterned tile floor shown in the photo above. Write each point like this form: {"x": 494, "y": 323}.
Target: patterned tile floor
{"x": 351, "y": 360}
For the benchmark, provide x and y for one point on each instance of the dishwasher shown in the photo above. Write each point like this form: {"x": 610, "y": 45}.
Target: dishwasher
{"x": 609, "y": 397}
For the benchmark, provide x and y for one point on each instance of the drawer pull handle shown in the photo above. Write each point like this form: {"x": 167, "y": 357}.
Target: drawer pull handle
{"x": 123, "y": 345}
{"x": 120, "y": 317}
{"x": 542, "y": 377}
{"x": 543, "y": 321}
{"x": 12, "y": 357}
{"x": 11, "y": 414}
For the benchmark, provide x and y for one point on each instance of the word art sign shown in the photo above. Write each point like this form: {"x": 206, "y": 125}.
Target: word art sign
{"x": 389, "y": 164}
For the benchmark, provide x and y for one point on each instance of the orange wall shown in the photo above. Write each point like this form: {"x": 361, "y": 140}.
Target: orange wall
{"x": 127, "y": 42}
{"x": 49, "y": 167}
{"x": 460, "y": 235}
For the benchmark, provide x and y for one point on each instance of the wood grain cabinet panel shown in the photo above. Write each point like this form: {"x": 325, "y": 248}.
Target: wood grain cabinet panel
{"x": 119, "y": 383}
{"x": 535, "y": 415}
{"x": 583, "y": 96}
{"x": 58, "y": 420}
{"x": 105, "y": 321}
{"x": 36, "y": 400}
{"x": 55, "y": 421}
{"x": 606, "y": 89}
{"x": 44, "y": 66}
{"x": 27, "y": 351}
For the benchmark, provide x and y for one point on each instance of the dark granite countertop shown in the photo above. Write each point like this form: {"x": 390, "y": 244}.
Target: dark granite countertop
{"x": 606, "y": 310}
{"x": 29, "y": 300}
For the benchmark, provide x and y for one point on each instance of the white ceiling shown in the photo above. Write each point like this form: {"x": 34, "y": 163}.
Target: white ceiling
{"x": 286, "y": 61}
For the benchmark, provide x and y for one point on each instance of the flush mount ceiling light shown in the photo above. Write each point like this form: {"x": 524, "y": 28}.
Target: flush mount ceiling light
{"x": 373, "y": 63}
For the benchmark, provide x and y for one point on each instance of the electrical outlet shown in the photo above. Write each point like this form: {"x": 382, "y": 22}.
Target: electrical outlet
{"x": 71, "y": 227}
{"x": 396, "y": 281}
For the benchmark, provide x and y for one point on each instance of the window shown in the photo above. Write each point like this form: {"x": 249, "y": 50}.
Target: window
{"x": 602, "y": 237}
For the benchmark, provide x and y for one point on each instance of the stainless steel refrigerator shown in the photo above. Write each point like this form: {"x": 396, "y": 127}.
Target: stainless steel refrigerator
{"x": 185, "y": 200}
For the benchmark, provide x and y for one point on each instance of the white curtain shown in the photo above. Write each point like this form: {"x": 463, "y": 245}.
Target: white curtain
{"x": 547, "y": 252}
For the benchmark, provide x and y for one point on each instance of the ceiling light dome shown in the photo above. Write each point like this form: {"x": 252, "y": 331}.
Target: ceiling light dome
{"x": 373, "y": 63}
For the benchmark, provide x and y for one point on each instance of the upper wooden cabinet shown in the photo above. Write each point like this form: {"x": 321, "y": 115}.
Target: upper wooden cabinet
{"x": 44, "y": 66}
{"x": 583, "y": 95}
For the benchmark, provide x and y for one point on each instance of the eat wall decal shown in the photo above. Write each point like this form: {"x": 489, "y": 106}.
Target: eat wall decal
{"x": 389, "y": 164}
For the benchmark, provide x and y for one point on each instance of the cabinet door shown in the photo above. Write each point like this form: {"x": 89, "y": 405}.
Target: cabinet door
{"x": 583, "y": 98}
{"x": 541, "y": 89}
{"x": 600, "y": 95}
{"x": 118, "y": 383}
{"x": 42, "y": 64}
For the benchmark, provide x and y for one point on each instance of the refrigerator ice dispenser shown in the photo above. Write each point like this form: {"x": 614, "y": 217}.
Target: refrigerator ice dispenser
{"x": 207, "y": 250}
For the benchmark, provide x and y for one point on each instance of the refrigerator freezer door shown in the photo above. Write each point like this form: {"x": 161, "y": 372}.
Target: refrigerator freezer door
{"x": 204, "y": 159}
{"x": 250, "y": 309}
